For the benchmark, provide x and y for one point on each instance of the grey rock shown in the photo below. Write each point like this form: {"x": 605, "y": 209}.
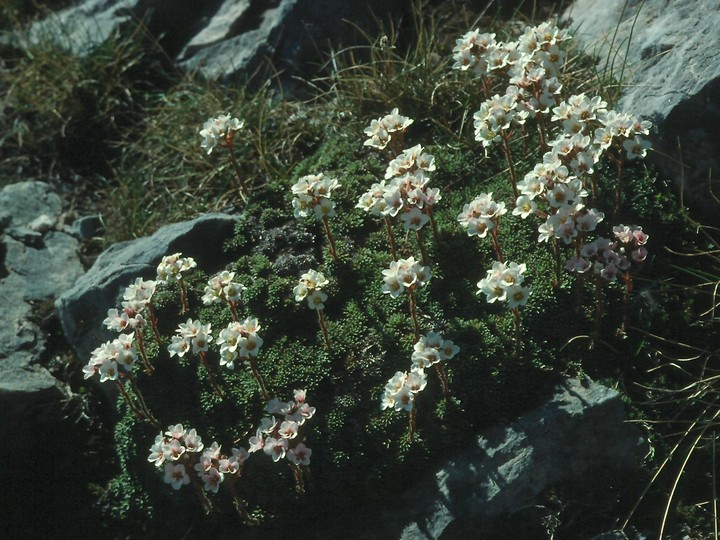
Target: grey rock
{"x": 581, "y": 429}
{"x": 36, "y": 268}
{"x": 25, "y": 201}
{"x": 671, "y": 54}
{"x": 228, "y": 39}
{"x": 87, "y": 227}
{"x": 85, "y": 305}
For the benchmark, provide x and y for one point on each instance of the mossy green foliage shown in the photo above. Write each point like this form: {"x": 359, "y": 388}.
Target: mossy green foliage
{"x": 354, "y": 442}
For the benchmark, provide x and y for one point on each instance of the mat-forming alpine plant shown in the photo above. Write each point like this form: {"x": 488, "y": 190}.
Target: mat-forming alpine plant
{"x": 406, "y": 275}
{"x": 313, "y": 197}
{"x": 309, "y": 288}
{"x": 222, "y": 288}
{"x": 220, "y": 131}
{"x": 171, "y": 269}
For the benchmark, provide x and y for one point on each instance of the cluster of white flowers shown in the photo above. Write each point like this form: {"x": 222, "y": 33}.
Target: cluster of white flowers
{"x": 222, "y": 288}
{"x": 400, "y": 391}
{"x": 172, "y": 267}
{"x": 310, "y": 288}
{"x": 218, "y": 131}
{"x": 606, "y": 257}
{"x": 498, "y": 114}
{"x": 589, "y": 129}
{"x": 405, "y": 274}
{"x": 381, "y": 131}
{"x": 191, "y": 336}
{"x": 111, "y": 355}
{"x": 530, "y": 63}
{"x": 180, "y": 449}
{"x": 312, "y": 196}
{"x": 504, "y": 283}
{"x": 430, "y": 349}
{"x": 239, "y": 340}
{"x": 408, "y": 193}
{"x": 481, "y": 215}
{"x": 136, "y": 299}
{"x": 276, "y": 432}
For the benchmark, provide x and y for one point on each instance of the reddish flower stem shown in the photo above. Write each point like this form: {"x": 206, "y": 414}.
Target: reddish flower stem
{"x": 330, "y": 238}
{"x": 391, "y": 236}
{"x": 323, "y": 327}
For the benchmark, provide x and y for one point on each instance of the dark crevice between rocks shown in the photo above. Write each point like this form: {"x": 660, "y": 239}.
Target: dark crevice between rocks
{"x": 3, "y": 269}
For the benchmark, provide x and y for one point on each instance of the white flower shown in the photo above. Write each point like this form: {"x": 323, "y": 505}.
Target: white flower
{"x": 217, "y": 130}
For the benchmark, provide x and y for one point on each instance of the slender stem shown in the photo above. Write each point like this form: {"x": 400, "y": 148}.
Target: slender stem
{"x": 153, "y": 324}
{"x": 391, "y": 236}
{"x": 183, "y": 296}
{"x": 330, "y": 238}
{"x": 211, "y": 375}
{"x": 143, "y": 407}
{"x": 243, "y": 188}
{"x": 323, "y": 327}
{"x": 413, "y": 314}
{"x": 233, "y": 310}
{"x": 195, "y": 480}
{"x": 506, "y": 148}
{"x": 238, "y": 502}
{"x": 494, "y": 233}
{"x": 298, "y": 474}
{"x": 141, "y": 349}
{"x": 443, "y": 380}
{"x": 543, "y": 133}
{"x": 423, "y": 251}
{"x": 259, "y": 379}
{"x": 126, "y": 397}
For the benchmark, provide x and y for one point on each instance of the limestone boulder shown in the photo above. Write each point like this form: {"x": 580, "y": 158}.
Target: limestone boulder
{"x": 667, "y": 55}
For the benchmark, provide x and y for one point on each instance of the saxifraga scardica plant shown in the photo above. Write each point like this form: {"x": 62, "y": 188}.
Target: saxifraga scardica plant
{"x": 344, "y": 361}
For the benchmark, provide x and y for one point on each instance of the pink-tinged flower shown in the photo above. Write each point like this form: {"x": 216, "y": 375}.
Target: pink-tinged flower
{"x": 212, "y": 479}
{"x": 213, "y": 450}
{"x": 175, "y": 450}
{"x": 226, "y": 466}
{"x": 257, "y": 441}
{"x": 158, "y": 451}
{"x": 300, "y": 455}
{"x": 306, "y": 411}
{"x": 193, "y": 443}
{"x": 299, "y": 395}
{"x": 176, "y": 432}
{"x": 288, "y": 429}
{"x": 276, "y": 448}
{"x": 204, "y": 464}
{"x": 176, "y": 475}
{"x": 639, "y": 254}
